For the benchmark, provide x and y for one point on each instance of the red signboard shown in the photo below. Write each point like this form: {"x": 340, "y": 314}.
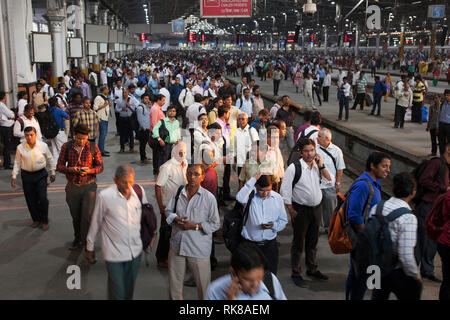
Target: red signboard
{"x": 225, "y": 8}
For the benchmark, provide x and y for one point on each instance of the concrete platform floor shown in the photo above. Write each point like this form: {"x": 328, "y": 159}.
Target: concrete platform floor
{"x": 33, "y": 263}
{"x": 413, "y": 141}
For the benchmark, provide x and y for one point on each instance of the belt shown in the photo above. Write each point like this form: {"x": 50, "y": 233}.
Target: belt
{"x": 79, "y": 185}
{"x": 262, "y": 243}
{"x": 32, "y": 172}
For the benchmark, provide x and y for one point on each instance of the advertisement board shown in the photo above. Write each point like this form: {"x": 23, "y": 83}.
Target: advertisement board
{"x": 225, "y": 8}
{"x": 178, "y": 26}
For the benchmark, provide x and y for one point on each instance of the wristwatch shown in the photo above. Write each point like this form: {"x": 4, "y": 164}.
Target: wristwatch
{"x": 196, "y": 227}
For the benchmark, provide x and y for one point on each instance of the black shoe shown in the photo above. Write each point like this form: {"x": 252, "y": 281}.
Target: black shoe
{"x": 107, "y": 152}
{"x": 105, "y": 155}
{"x": 190, "y": 283}
{"x": 432, "y": 278}
{"x": 299, "y": 281}
{"x": 352, "y": 108}
{"x": 371, "y": 114}
{"x": 317, "y": 274}
{"x": 76, "y": 245}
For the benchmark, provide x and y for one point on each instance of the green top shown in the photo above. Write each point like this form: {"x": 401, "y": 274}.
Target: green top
{"x": 172, "y": 126}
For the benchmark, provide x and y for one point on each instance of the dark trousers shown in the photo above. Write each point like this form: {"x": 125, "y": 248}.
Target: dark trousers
{"x": 164, "y": 154}
{"x": 434, "y": 139}
{"x": 326, "y": 91}
{"x": 191, "y": 132}
{"x": 81, "y": 202}
{"x": 376, "y": 102}
{"x": 444, "y": 253}
{"x": 110, "y": 83}
{"x": 7, "y": 133}
{"x": 444, "y": 136}
{"x": 263, "y": 75}
{"x": 355, "y": 285}
{"x": 143, "y": 140}
{"x": 35, "y": 192}
{"x": 117, "y": 114}
{"x": 226, "y": 179}
{"x": 270, "y": 251}
{"x": 122, "y": 277}
{"x": 343, "y": 102}
{"x": 162, "y": 250}
{"x": 359, "y": 100}
{"x": 126, "y": 133}
{"x": 416, "y": 112}
{"x": 306, "y": 235}
{"x": 399, "y": 118}
{"x": 249, "y": 76}
{"x": 404, "y": 287}
{"x": 316, "y": 90}
{"x": 276, "y": 86}
{"x": 426, "y": 248}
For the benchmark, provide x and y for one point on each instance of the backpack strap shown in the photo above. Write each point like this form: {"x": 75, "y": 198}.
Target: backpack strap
{"x": 298, "y": 173}
{"x": 397, "y": 213}
{"x": 332, "y": 158}
{"x": 369, "y": 199}
{"x": 268, "y": 282}
{"x": 380, "y": 207}
{"x": 247, "y": 207}
{"x": 22, "y": 124}
{"x": 138, "y": 190}
{"x": 177, "y": 196}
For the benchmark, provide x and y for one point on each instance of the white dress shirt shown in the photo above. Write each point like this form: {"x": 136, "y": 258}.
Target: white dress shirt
{"x": 245, "y": 105}
{"x": 119, "y": 220}
{"x": 189, "y": 100}
{"x": 271, "y": 209}
{"x": 103, "y": 113}
{"x": 166, "y": 94}
{"x": 274, "y": 110}
{"x": 307, "y": 190}
{"x": 327, "y": 80}
{"x": 193, "y": 112}
{"x": 338, "y": 156}
{"x": 32, "y": 160}
{"x": 243, "y": 140}
{"x": 21, "y": 106}
{"x": 273, "y": 163}
{"x": 6, "y": 116}
{"x": 171, "y": 176}
{"x": 199, "y": 136}
{"x": 197, "y": 89}
{"x": 314, "y": 136}
{"x": 27, "y": 123}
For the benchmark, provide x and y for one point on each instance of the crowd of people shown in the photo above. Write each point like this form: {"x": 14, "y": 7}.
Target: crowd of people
{"x": 202, "y": 131}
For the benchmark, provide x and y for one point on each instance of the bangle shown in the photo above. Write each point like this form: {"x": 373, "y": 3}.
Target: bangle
{"x": 196, "y": 227}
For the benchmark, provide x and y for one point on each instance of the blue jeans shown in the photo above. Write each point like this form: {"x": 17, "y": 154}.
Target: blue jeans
{"x": 355, "y": 286}
{"x": 103, "y": 131}
{"x": 376, "y": 102}
{"x": 121, "y": 278}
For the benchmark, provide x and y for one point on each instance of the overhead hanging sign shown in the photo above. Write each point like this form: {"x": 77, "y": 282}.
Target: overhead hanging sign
{"x": 225, "y": 8}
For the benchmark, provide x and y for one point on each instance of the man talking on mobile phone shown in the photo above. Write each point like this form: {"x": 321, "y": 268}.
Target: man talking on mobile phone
{"x": 266, "y": 217}
{"x": 302, "y": 195}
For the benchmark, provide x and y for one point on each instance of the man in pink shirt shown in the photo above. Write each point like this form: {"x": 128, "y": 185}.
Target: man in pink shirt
{"x": 156, "y": 114}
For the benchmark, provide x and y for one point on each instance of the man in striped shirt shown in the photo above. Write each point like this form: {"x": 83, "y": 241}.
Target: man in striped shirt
{"x": 405, "y": 280}
{"x": 361, "y": 89}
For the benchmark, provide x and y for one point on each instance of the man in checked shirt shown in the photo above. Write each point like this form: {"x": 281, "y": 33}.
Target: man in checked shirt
{"x": 80, "y": 160}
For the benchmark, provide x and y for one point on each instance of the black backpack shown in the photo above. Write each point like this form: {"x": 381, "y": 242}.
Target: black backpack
{"x": 134, "y": 120}
{"x": 296, "y": 152}
{"x": 417, "y": 173}
{"x": 47, "y": 122}
{"x": 374, "y": 245}
{"x": 234, "y": 221}
{"x": 148, "y": 219}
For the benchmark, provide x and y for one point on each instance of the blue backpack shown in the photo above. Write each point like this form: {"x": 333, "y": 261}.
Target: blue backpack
{"x": 374, "y": 244}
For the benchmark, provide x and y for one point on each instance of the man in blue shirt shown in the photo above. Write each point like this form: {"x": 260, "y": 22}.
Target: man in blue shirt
{"x": 443, "y": 123}
{"x": 377, "y": 167}
{"x": 142, "y": 77}
{"x": 59, "y": 116}
{"x": 175, "y": 91}
{"x": 266, "y": 217}
{"x": 247, "y": 279}
{"x": 321, "y": 72}
{"x": 379, "y": 90}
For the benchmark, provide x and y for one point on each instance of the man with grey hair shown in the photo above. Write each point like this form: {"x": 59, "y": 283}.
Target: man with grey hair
{"x": 244, "y": 137}
{"x": 333, "y": 161}
{"x": 117, "y": 213}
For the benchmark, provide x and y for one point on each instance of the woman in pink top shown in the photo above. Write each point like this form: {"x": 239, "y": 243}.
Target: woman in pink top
{"x": 156, "y": 112}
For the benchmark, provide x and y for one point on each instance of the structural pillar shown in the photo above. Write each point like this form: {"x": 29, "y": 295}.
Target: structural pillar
{"x": 377, "y": 45}
{"x": 356, "y": 40}
{"x": 56, "y": 22}
{"x": 83, "y": 63}
{"x": 325, "y": 40}
{"x": 92, "y": 17}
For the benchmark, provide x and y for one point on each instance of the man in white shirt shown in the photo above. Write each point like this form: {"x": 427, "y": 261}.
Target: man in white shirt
{"x": 341, "y": 76}
{"x": 244, "y": 138}
{"x": 22, "y": 96}
{"x": 117, "y": 214}
{"x": 193, "y": 111}
{"x": 245, "y": 103}
{"x": 302, "y": 196}
{"x": 102, "y": 105}
{"x": 273, "y": 163}
{"x": 103, "y": 77}
{"x": 27, "y": 121}
{"x": 6, "y": 130}
{"x": 46, "y": 87}
{"x": 172, "y": 175}
{"x": 326, "y": 86}
{"x": 344, "y": 90}
{"x": 186, "y": 99}
{"x": 198, "y": 88}
{"x": 275, "y": 108}
{"x": 201, "y": 133}
{"x": 163, "y": 90}
{"x": 333, "y": 159}
{"x": 116, "y": 94}
{"x": 258, "y": 102}
{"x": 32, "y": 156}
{"x": 313, "y": 130}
